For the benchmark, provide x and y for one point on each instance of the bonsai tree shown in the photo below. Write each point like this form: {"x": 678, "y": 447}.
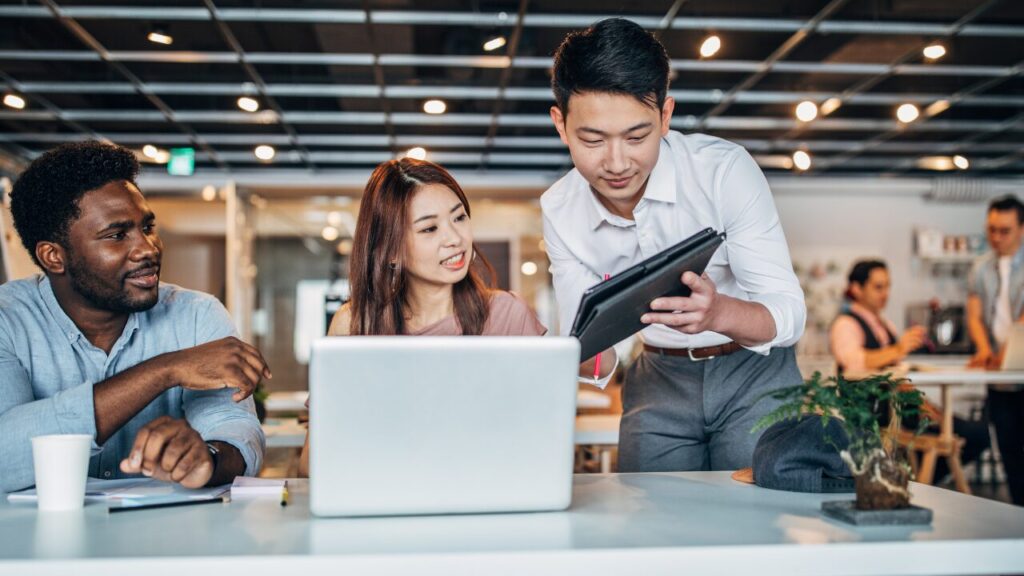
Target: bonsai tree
{"x": 870, "y": 412}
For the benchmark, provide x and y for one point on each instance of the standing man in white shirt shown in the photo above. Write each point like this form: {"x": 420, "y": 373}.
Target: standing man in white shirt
{"x": 995, "y": 301}
{"x": 691, "y": 398}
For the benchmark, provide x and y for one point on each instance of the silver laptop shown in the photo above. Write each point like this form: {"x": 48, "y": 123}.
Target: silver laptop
{"x": 440, "y": 425}
{"x": 1014, "y": 358}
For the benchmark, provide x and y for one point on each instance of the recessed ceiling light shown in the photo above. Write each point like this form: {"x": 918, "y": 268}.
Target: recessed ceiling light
{"x": 417, "y": 153}
{"x": 14, "y": 101}
{"x": 801, "y": 160}
{"x": 711, "y": 45}
{"x": 248, "y": 104}
{"x": 934, "y": 51}
{"x": 806, "y": 111}
{"x": 150, "y": 151}
{"x": 265, "y": 153}
{"x": 160, "y": 36}
{"x": 940, "y": 163}
{"x": 961, "y": 162}
{"x": 528, "y": 268}
{"x": 435, "y": 107}
{"x": 330, "y": 233}
{"x": 494, "y": 43}
{"x": 907, "y": 113}
{"x": 831, "y": 105}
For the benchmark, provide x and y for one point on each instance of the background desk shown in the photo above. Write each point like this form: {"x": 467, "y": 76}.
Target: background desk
{"x": 680, "y": 523}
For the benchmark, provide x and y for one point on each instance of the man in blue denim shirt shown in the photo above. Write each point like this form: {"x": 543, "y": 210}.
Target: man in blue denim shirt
{"x": 96, "y": 345}
{"x": 995, "y": 302}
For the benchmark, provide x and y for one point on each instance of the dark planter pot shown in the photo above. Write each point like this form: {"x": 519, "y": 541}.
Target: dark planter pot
{"x": 883, "y": 486}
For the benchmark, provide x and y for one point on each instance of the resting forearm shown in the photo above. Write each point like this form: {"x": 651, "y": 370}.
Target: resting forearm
{"x": 875, "y": 359}
{"x": 119, "y": 398}
{"x": 747, "y": 323}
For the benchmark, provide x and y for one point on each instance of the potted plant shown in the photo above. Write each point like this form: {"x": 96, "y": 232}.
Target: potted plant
{"x": 870, "y": 412}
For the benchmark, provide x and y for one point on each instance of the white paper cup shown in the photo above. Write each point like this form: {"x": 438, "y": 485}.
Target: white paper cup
{"x": 61, "y": 466}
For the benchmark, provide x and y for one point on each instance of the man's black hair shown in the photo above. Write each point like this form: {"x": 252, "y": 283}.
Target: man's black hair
{"x": 614, "y": 56}
{"x": 1007, "y": 203}
{"x": 861, "y": 271}
{"x": 44, "y": 201}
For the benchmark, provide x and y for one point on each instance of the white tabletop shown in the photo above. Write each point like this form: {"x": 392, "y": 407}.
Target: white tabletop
{"x": 671, "y": 523}
{"x": 296, "y": 401}
{"x": 965, "y": 376}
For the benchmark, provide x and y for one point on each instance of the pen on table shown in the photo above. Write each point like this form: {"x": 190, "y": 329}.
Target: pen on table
{"x": 284, "y": 494}
{"x": 597, "y": 360}
{"x": 217, "y": 500}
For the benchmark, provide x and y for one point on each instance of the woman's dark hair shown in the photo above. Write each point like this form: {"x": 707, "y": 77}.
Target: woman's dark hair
{"x": 44, "y": 200}
{"x": 860, "y": 273}
{"x": 614, "y": 56}
{"x": 378, "y": 290}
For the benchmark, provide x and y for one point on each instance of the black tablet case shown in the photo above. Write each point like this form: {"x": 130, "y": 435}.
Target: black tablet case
{"x": 610, "y": 311}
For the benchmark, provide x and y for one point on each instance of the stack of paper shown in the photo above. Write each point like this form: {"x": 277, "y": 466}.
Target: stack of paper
{"x": 245, "y": 486}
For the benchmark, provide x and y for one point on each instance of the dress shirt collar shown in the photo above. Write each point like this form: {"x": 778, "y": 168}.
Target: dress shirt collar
{"x": 67, "y": 325}
{"x": 660, "y": 187}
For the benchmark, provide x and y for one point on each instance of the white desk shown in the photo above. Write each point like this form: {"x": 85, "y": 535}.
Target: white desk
{"x": 692, "y": 523}
{"x": 296, "y": 401}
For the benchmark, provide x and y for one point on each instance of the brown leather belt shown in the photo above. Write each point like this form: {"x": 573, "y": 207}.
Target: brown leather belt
{"x": 695, "y": 354}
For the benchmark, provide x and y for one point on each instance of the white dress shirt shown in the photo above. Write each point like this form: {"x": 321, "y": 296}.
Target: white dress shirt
{"x": 699, "y": 181}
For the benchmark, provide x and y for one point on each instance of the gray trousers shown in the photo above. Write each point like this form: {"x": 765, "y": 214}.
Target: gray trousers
{"x": 684, "y": 415}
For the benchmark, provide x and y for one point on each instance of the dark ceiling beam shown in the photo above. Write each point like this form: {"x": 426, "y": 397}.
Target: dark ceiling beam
{"x": 785, "y": 49}
{"x": 257, "y": 80}
{"x": 506, "y": 76}
{"x": 83, "y": 36}
{"x": 929, "y": 112}
{"x": 378, "y": 74}
{"x": 494, "y": 19}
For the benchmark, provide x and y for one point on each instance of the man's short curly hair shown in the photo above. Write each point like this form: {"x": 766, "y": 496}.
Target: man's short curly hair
{"x": 44, "y": 201}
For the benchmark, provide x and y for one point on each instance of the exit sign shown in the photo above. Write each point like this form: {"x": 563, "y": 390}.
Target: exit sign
{"x": 182, "y": 162}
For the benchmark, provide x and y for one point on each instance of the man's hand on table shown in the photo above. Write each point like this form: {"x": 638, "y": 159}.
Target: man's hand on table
{"x": 170, "y": 450}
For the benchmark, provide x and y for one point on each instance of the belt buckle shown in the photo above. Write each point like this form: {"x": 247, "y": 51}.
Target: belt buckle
{"x": 689, "y": 352}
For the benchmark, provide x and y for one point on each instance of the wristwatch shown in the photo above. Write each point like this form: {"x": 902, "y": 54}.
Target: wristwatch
{"x": 214, "y": 455}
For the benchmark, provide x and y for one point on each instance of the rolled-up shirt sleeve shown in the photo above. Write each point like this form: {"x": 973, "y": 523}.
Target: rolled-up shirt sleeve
{"x": 22, "y": 416}
{"x": 571, "y": 277}
{"x": 212, "y": 413}
{"x": 758, "y": 253}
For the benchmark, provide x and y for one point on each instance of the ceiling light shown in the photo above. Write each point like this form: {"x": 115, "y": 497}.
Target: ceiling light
{"x": 940, "y": 163}
{"x": 150, "y": 151}
{"x": 209, "y": 193}
{"x": 907, "y": 113}
{"x": 801, "y": 160}
{"x": 434, "y": 107}
{"x": 806, "y": 111}
{"x": 14, "y": 101}
{"x": 831, "y": 105}
{"x": 265, "y": 153}
{"x": 417, "y": 153}
{"x": 248, "y": 104}
{"x": 934, "y": 51}
{"x": 162, "y": 157}
{"x": 334, "y": 218}
{"x": 330, "y": 233}
{"x": 494, "y": 43}
{"x": 961, "y": 162}
{"x": 160, "y": 36}
{"x": 711, "y": 45}
{"x": 528, "y": 268}
{"x": 936, "y": 108}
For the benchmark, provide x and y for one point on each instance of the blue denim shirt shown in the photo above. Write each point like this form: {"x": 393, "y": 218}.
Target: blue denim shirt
{"x": 48, "y": 368}
{"x": 983, "y": 282}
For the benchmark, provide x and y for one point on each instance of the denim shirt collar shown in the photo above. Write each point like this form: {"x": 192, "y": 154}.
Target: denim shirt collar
{"x": 67, "y": 325}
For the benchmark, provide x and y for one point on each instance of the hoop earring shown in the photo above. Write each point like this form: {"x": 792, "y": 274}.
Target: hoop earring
{"x": 393, "y": 266}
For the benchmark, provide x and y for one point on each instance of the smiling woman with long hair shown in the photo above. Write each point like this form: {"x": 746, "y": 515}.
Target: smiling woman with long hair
{"x": 414, "y": 269}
